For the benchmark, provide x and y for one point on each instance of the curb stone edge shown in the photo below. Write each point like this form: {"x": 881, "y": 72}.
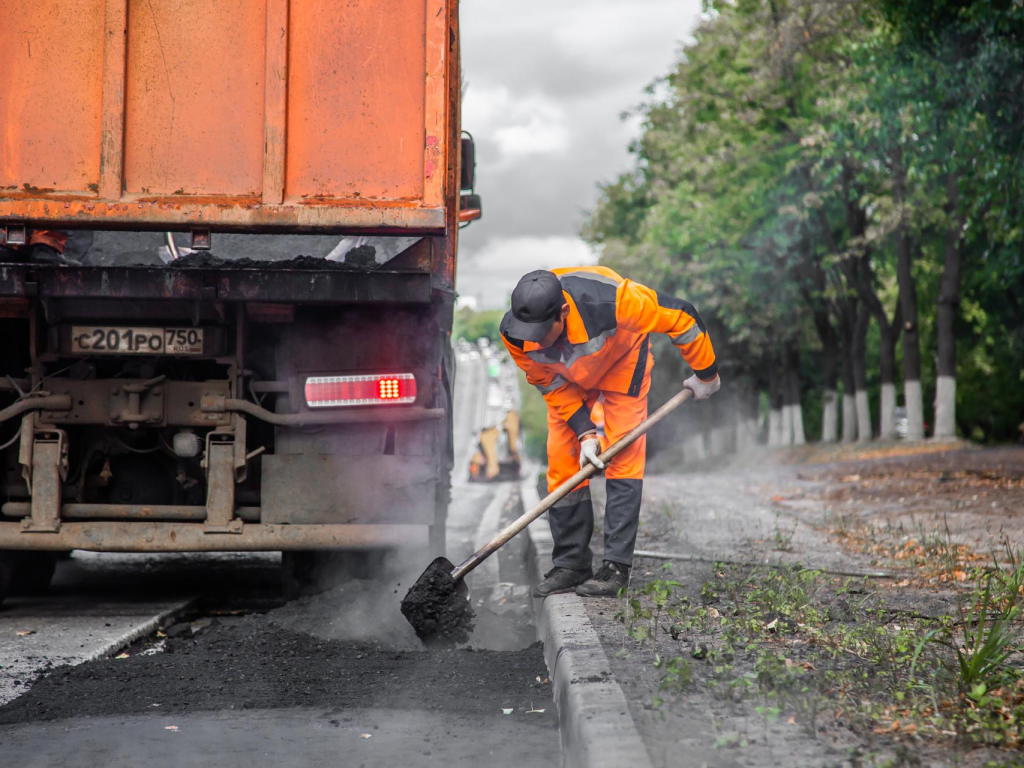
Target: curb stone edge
{"x": 597, "y": 730}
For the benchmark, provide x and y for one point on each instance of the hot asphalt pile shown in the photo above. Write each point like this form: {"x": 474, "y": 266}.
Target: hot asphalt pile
{"x": 437, "y": 611}
{"x": 207, "y": 260}
{"x": 251, "y": 662}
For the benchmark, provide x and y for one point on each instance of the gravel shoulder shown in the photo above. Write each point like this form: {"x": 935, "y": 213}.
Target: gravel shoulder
{"x": 748, "y": 665}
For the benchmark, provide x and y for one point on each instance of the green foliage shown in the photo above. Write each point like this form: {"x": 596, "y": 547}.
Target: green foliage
{"x": 783, "y": 537}
{"x": 876, "y": 665}
{"x": 678, "y": 674}
{"x": 800, "y": 139}
{"x": 533, "y": 418}
{"x": 990, "y": 638}
{"x": 645, "y": 608}
{"x": 472, "y": 325}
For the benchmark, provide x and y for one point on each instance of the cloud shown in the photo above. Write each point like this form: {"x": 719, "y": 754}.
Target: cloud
{"x": 489, "y": 273}
{"x": 540, "y": 135}
{"x": 532, "y": 124}
{"x": 546, "y": 83}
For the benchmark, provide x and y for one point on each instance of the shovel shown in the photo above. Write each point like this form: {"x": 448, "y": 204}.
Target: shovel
{"x": 438, "y": 605}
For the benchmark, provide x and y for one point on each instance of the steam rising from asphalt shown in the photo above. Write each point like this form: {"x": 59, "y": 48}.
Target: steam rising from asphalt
{"x": 369, "y": 611}
{"x": 360, "y": 610}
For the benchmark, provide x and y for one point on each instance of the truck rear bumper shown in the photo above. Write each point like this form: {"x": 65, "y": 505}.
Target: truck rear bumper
{"x": 139, "y": 536}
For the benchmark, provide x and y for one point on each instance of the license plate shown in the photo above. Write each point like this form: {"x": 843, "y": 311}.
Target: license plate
{"x": 115, "y": 340}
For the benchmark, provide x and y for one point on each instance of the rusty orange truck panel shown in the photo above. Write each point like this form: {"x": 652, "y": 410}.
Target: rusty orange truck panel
{"x": 252, "y": 115}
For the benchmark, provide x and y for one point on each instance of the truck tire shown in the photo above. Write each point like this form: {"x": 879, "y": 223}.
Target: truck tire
{"x": 308, "y": 572}
{"x": 5, "y": 580}
{"x": 29, "y": 573}
{"x": 298, "y": 573}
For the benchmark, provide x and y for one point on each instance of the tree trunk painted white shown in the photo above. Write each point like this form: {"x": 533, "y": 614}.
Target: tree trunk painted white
{"x": 829, "y": 416}
{"x": 774, "y": 427}
{"x": 693, "y": 446}
{"x": 746, "y": 434}
{"x": 888, "y": 416}
{"x": 947, "y": 310}
{"x": 945, "y": 407}
{"x": 797, "y": 413}
{"x": 721, "y": 439}
{"x": 863, "y": 416}
{"x": 915, "y": 410}
{"x": 786, "y": 426}
{"x": 849, "y": 418}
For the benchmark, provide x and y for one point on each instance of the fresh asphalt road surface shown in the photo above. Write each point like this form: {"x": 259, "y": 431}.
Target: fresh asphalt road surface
{"x": 99, "y": 602}
{"x": 375, "y": 707}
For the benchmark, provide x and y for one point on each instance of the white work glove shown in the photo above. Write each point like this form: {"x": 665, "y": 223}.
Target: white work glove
{"x": 702, "y": 390}
{"x": 590, "y": 451}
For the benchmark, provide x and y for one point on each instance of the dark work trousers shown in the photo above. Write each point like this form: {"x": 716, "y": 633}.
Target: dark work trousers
{"x": 572, "y": 525}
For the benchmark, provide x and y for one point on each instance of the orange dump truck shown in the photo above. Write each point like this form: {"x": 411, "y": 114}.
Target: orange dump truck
{"x": 245, "y": 341}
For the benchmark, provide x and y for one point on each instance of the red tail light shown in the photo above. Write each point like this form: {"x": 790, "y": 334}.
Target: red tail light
{"x": 375, "y": 389}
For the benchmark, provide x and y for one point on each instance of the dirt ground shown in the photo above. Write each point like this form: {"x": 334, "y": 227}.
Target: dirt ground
{"x": 782, "y": 656}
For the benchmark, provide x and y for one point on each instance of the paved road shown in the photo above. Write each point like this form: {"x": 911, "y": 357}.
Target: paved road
{"x": 293, "y": 685}
{"x": 100, "y": 602}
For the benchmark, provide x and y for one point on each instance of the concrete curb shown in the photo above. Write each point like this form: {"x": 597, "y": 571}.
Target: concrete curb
{"x": 147, "y": 627}
{"x": 596, "y": 728}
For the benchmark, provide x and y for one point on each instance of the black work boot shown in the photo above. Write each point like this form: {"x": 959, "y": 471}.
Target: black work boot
{"x": 609, "y": 579}
{"x": 559, "y": 580}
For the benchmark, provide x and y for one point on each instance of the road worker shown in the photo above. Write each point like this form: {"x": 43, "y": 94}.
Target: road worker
{"x": 579, "y": 333}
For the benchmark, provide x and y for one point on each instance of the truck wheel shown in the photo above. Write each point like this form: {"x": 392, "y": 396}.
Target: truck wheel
{"x": 30, "y": 573}
{"x": 5, "y": 580}
{"x": 299, "y": 573}
{"x": 310, "y": 572}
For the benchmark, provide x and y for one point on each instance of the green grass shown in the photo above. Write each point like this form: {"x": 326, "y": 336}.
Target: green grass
{"x": 813, "y": 647}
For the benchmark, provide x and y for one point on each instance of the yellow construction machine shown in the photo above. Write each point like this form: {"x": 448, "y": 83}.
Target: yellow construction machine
{"x": 497, "y": 455}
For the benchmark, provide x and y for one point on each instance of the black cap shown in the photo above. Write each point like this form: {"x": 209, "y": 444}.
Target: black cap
{"x": 536, "y": 302}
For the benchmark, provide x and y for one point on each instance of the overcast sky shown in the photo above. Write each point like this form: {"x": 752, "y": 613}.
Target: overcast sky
{"x": 546, "y": 85}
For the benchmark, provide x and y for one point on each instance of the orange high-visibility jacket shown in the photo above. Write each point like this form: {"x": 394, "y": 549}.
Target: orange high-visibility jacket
{"x": 605, "y": 345}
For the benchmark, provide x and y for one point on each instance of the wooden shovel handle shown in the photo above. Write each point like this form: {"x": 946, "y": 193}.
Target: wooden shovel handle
{"x": 516, "y": 526}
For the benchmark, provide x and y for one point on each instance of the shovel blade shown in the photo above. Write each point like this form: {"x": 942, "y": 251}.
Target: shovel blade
{"x": 437, "y": 606}
{"x": 446, "y": 565}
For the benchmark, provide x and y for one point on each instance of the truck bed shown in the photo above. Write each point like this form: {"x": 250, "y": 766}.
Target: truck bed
{"x": 229, "y": 115}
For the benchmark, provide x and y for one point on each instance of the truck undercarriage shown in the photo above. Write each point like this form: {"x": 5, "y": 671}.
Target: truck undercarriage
{"x": 181, "y": 409}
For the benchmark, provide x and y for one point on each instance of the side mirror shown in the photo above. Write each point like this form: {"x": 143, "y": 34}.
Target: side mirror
{"x": 470, "y": 208}
{"x": 468, "y": 168}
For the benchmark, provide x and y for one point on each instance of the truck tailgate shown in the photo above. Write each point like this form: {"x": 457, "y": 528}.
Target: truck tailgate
{"x": 255, "y": 115}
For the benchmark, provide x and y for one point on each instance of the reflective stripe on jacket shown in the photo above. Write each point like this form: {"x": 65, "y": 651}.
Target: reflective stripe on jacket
{"x": 605, "y": 345}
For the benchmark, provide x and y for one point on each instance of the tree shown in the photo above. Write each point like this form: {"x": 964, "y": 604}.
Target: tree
{"x": 818, "y": 166}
